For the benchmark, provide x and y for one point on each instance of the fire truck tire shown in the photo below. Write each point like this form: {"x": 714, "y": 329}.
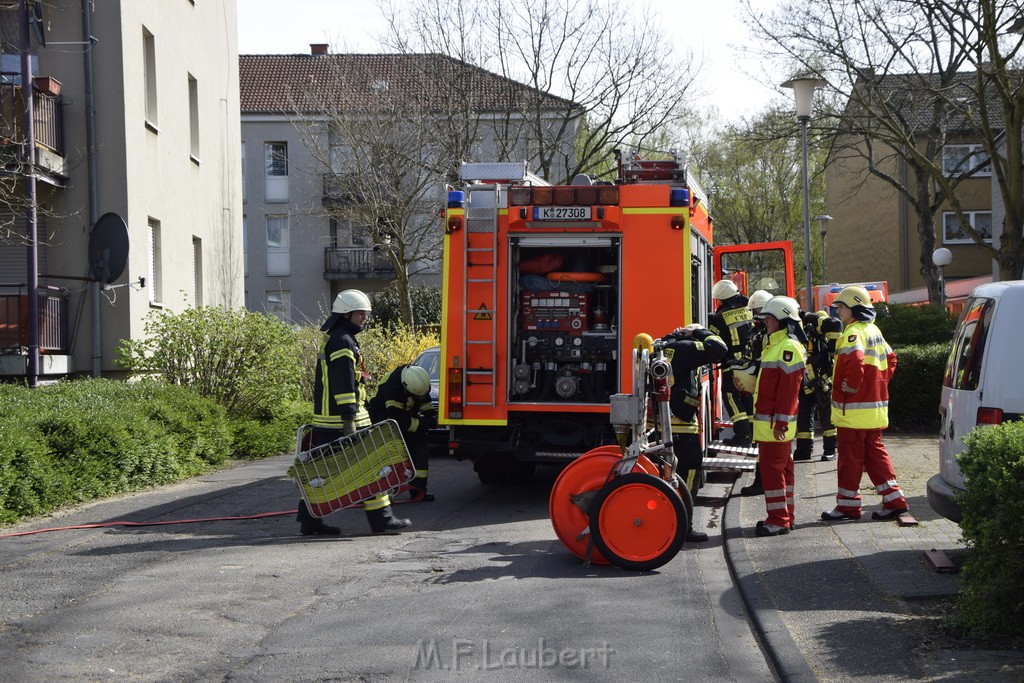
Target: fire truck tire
{"x": 687, "y": 497}
{"x": 638, "y": 521}
{"x": 586, "y": 474}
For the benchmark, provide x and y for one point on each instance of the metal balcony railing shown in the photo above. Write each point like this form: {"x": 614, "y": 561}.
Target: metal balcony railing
{"x": 48, "y": 118}
{"x": 53, "y": 319}
{"x": 348, "y": 262}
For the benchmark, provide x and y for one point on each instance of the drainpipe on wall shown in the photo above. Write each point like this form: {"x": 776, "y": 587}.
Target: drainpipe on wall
{"x": 29, "y": 157}
{"x": 90, "y": 156}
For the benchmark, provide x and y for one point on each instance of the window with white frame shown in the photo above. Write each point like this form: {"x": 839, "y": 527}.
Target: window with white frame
{"x": 156, "y": 280}
{"x": 245, "y": 245}
{"x": 197, "y": 272}
{"x": 193, "y": 116}
{"x": 275, "y": 164}
{"x": 960, "y": 159}
{"x": 244, "y": 190}
{"x": 278, "y": 245}
{"x": 953, "y": 232}
{"x": 149, "y": 76}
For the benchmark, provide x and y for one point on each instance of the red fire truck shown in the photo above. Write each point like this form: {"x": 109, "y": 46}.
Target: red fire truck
{"x": 545, "y": 288}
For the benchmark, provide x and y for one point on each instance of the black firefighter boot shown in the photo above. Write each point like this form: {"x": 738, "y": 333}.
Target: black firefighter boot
{"x": 829, "y": 448}
{"x": 313, "y": 526}
{"x": 755, "y": 489}
{"x": 742, "y": 434}
{"x": 384, "y": 519}
{"x": 804, "y": 447}
{"x": 418, "y": 491}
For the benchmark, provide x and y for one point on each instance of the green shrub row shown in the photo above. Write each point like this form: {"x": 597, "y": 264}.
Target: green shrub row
{"x": 903, "y": 324}
{"x": 916, "y": 387}
{"x": 991, "y": 600}
{"x": 76, "y": 441}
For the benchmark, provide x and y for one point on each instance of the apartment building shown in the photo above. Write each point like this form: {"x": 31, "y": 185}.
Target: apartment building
{"x": 874, "y": 234}
{"x": 152, "y": 85}
{"x": 297, "y": 116}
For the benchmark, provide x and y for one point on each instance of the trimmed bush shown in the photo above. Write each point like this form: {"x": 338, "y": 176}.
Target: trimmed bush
{"x": 76, "y": 441}
{"x": 250, "y": 363}
{"x": 426, "y": 306}
{"x": 916, "y": 387}
{"x": 904, "y": 324}
{"x": 991, "y": 600}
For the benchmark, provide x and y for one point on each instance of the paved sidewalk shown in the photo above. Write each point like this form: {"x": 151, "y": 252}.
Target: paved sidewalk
{"x": 857, "y": 600}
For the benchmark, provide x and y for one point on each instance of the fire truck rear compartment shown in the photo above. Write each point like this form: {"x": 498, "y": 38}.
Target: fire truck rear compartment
{"x": 564, "y": 337}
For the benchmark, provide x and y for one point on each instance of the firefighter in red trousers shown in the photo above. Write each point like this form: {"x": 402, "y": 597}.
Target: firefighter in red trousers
{"x": 775, "y": 406}
{"x": 405, "y": 398}
{"x": 860, "y": 409}
{"x": 687, "y": 349}
{"x": 339, "y": 403}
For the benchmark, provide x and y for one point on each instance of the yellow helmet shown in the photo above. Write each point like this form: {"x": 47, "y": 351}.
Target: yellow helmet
{"x": 745, "y": 379}
{"x": 854, "y": 295}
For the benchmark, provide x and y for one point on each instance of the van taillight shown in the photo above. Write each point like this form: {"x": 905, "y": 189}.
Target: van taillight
{"x": 990, "y": 416}
{"x": 455, "y": 393}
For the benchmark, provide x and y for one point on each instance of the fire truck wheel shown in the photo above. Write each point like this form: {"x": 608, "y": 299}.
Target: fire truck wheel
{"x": 638, "y": 521}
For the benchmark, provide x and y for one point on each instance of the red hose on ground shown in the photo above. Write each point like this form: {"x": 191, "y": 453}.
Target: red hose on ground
{"x": 100, "y": 525}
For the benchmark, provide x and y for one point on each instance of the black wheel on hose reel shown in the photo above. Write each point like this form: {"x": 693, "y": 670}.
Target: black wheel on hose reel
{"x": 638, "y": 521}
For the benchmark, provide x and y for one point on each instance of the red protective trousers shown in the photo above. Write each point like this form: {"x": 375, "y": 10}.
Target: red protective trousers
{"x": 860, "y": 450}
{"x": 777, "y": 478}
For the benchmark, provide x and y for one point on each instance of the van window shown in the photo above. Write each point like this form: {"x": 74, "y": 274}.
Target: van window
{"x": 963, "y": 369}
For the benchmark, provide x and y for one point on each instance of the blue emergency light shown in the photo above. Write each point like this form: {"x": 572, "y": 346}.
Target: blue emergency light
{"x": 456, "y": 198}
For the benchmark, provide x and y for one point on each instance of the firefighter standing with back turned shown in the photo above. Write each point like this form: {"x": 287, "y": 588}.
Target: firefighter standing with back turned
{"x": 746, "y": 378}
{"x": 860, "y": 410}
{"x": 339, "y": 403}
{"x": 687, "y": 349}
{"x": 816, "y": 395}
{"x": 775, "y": 406}
{"x": 733, "y": 323}
{"x": 405, "y": 398}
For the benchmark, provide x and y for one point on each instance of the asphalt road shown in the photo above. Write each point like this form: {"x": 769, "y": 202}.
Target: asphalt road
{"x": 478, "y": 589}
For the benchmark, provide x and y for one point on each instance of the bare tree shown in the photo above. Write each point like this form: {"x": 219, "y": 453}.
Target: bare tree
{"x": 909, "y": 78}
{"x": 617, "y": 78}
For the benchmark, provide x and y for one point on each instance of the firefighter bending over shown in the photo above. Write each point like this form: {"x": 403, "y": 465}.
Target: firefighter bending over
{"x": 687, "y": 349}
{"x": 822, "y": 331}
{"x": 339, "y": 403}
{"x": 405, "y": 398}
{"x": 733, "y": 323}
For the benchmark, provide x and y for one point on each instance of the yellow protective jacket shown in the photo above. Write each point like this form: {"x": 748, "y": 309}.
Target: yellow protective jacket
{"x": 777, "y": 394}
{"x": 865, "y": 363}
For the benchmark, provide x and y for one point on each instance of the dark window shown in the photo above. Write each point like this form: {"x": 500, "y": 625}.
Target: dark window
{"x": 963, "y": 369}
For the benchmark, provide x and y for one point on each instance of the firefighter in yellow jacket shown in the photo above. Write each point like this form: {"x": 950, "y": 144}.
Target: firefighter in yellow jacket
{"x": 339, "y": 403}
{"x": 860, "y": 410}
{"x": 733, "y": 322}
{"x": 775, "y": 407}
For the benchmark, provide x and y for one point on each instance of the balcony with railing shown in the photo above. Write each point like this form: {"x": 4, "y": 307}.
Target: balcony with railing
{"x": 53, "y": 329}
{"x": 47, "y": 124}
{"x": 342, "y": 263}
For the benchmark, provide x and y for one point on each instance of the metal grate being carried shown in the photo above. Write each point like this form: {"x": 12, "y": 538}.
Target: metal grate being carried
{"x": 348, "y": 470}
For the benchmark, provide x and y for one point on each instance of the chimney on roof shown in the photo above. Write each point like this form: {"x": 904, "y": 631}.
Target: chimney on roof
{"x": 318, "y": 48}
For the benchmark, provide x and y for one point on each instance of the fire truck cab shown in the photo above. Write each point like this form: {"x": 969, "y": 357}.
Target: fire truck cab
{"x": 545, "y": 288}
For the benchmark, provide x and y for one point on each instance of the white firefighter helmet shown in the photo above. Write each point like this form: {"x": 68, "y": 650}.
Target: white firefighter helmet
{"x": 854, "y": 295}
{"x": 416, "y": 380}
{"x": 724, "y": 289}
{"x": 351, "y": 300}
{"x": 758, "y": 299}
{"x": 782, "y": 308}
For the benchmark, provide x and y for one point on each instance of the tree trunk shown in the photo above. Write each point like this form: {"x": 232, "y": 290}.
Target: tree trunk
{"x": 926, "y": 234}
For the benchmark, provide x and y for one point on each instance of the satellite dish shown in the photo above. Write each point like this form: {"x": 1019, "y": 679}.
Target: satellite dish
{"x": 108, "y": 248}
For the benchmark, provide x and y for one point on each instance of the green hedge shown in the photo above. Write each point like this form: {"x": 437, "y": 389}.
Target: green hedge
{"x": 903, "y": 324}
{"x": 75, "y": 441}
{"x": 991, "y": 600}
{"x": 916, "y": 387}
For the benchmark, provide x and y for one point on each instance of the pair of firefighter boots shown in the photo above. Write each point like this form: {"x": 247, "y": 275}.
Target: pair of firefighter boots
{"x": 805, "y": 447}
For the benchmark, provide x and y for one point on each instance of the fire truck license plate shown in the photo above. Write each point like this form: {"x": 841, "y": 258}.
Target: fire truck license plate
{"x": 561, "y": 213}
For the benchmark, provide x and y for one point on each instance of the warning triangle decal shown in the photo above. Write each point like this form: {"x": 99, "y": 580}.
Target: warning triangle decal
{"x": 482, "y": 315}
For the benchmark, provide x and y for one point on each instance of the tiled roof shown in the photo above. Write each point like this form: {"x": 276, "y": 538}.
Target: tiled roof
{"x": 912, "y": 96}
{"x": 281, "y": 83}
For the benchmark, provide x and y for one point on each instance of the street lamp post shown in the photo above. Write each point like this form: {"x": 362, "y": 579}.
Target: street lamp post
{"x": 942, "y": 257}
{"x": 823, "y": 228}
{"x": 803, "y": 91}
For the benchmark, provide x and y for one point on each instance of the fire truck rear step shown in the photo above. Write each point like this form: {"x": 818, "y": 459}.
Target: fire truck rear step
{"x": 721, "y": 447}
{"x": 741, "y": 464}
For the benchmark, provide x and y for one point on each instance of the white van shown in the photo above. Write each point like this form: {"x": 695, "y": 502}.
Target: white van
{"x": 984, "y": 381}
